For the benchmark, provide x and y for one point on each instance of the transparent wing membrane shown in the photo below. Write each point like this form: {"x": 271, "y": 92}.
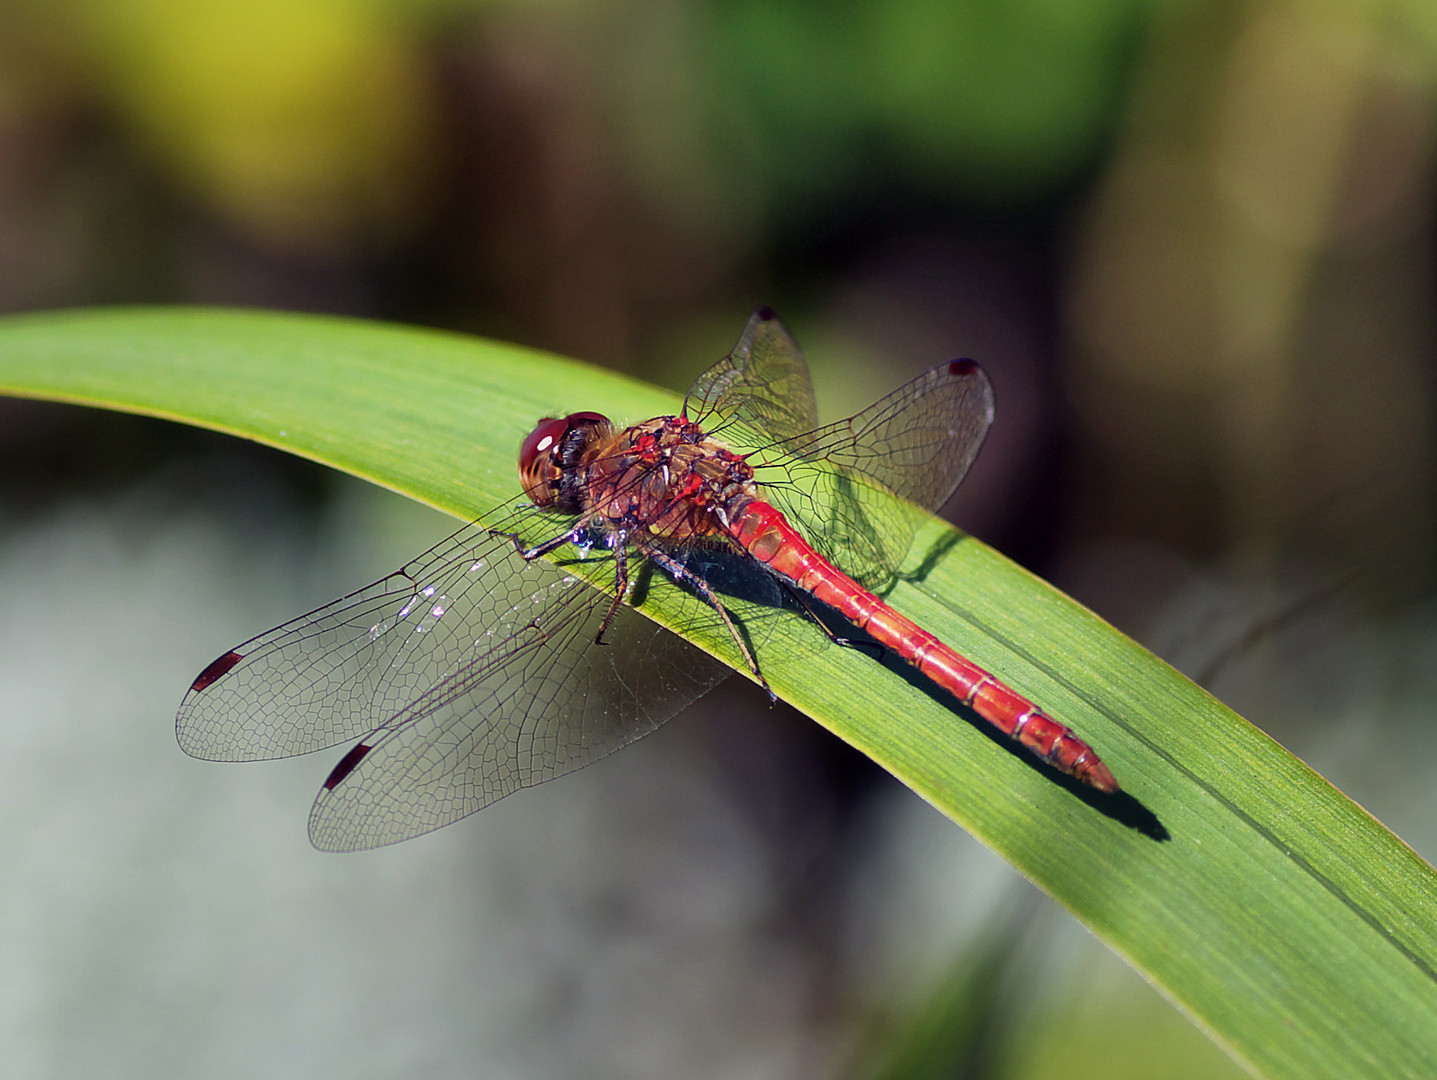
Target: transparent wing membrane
{"x": 763, "y": 385}
{"x": 859, "y": 488}
{"x": 541, "y": 701}
{"x": 470, "y": 672}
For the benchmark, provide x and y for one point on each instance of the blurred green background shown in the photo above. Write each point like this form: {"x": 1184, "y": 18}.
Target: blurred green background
{"x": 1193, "y": 244}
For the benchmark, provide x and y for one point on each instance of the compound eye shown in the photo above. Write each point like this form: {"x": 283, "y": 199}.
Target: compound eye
{"x": 542, "y": 455}
{"x": 539, "y": 445}
{"x": 538, "y": 464}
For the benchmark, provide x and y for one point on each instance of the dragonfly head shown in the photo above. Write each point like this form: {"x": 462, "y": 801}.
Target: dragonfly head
{"x": 550, "y": 455}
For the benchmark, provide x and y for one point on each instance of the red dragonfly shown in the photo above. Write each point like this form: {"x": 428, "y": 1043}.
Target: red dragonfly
{"x": 490, "y": 663}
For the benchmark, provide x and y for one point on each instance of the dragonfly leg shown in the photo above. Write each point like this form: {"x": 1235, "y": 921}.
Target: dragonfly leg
{"x": 621, "y": 569}
{"x": 553, "y": 544}
{"x": 805, "y": 601}
{"x": 621, "y": 588}
{"x": 679, "y": 572}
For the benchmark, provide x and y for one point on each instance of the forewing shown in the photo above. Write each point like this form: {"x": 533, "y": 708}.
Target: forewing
{"x": 859, "y": 488}
{"x": 763, "y": 384}
{"x": 345, "y": 668}
{"x": 544, "y": 700}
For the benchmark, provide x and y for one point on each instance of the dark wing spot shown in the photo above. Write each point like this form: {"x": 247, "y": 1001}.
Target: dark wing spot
{"x": 215, "y": 671}
{"x": 962, "y": 367}
{"x": 764, "y": 314}
{"x": 346, "y": 766}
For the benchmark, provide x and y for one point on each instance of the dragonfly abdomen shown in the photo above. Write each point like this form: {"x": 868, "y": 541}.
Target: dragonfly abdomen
{"x": 766, "y": 534}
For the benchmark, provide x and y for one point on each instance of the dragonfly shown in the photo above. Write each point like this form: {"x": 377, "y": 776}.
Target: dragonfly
{"x": 512, "y": 652}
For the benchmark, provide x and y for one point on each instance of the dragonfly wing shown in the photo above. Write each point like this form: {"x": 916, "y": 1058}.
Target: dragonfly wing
{"x": 542, "y": 701}
{"x": 343, "y": 669}
{"x": 917, "y": 442}
{"x": 838, "y": 483}
{"x": 762, "y": 384}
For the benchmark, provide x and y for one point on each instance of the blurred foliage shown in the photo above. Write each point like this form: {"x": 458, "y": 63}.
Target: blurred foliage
{"x": 309, "y": 123}
{"x": 996, "y": 101}
{"x": 303, "y": 121}
{"x": 1191, "y": 240}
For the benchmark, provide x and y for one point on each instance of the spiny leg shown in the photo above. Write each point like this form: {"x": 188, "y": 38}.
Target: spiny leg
{"x": 621, "y": 587}
{"x": 529, "y": 554}
{"x": 621, "y": 568}
{"x": 805, "y": 601}
{"x": 680, "y": 572}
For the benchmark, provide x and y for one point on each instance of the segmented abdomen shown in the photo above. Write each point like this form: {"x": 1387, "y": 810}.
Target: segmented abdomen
{"x": 766, "y": 534}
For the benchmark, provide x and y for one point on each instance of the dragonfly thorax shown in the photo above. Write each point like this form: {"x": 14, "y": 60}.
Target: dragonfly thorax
{"x": 664, "y": 477}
